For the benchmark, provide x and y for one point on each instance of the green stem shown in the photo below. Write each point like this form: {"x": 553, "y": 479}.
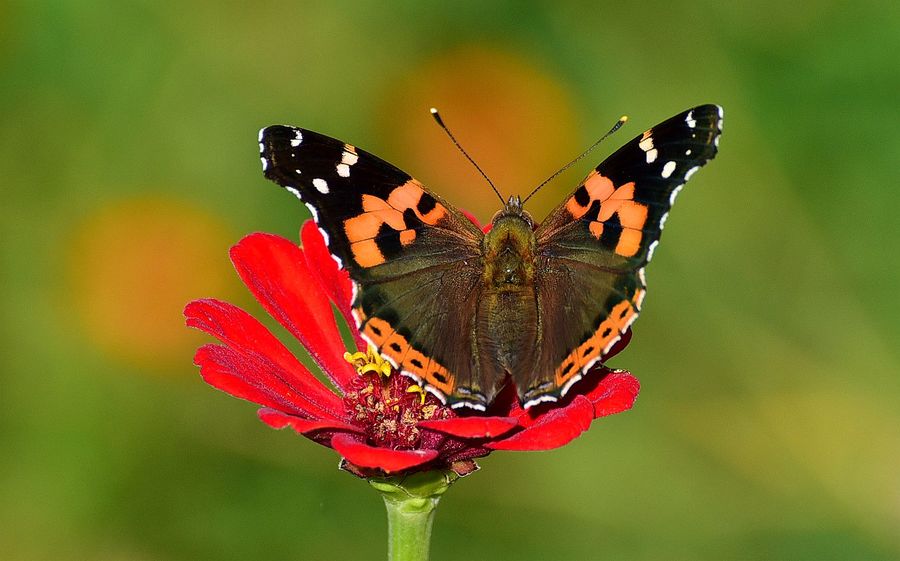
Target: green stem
{"x": 411, "y": 502}
{"x": 409, "y": 528}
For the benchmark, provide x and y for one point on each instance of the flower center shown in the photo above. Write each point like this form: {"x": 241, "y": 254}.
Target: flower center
{"x": 388, "y": 406}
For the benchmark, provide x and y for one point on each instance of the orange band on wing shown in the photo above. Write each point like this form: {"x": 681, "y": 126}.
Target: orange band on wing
{"x": 407, "y": 237}
{"x": 613, "y": 201}
{"x": 610, "y": 329}
{"x": 377, "y": 211}
{"x": 367, "y": 253}
{"x": 394, "y": 346}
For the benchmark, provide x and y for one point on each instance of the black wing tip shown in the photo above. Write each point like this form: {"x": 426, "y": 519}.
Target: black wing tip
{"x": 707, "y": 108}
{"x": 273, "y": 141}
{"x": 274, "y": 136}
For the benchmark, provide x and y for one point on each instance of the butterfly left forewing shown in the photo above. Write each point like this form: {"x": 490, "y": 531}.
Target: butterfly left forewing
{"x": 592, "y": 249}
{"x": 378, "y": 220}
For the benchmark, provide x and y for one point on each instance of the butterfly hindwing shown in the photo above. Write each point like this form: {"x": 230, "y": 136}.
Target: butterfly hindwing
{"x": 597, "y": 242}
{"x": 413, "y": 258}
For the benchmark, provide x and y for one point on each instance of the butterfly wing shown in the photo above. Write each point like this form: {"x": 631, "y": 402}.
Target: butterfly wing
{"x": 592, "y": 249}
{"x": 414, "y": 260}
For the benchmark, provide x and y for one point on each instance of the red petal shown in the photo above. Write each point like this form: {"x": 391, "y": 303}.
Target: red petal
{"x": 242, "y": 377}
{"x": 333, "y": 280}
{"x": 258, "y": 358}
{"x": 387, "y": 459}
{"x": 472, "y": 427}
{"x": 216, "y": 371}
{"x": 279, "y": 420}
{"x": 471, "y": 218}
{"x": 553, "y": 429}
{"x": 615, "y": 393}
{"x": 275, "y": 270}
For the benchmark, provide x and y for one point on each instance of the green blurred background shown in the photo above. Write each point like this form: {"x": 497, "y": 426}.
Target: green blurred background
{"x": 769, "y": 422}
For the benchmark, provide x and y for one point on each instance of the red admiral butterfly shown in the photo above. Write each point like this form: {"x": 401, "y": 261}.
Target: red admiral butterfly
{"x": 461, "y": 310}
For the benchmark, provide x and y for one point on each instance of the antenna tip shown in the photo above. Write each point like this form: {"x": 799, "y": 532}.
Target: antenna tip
{"x": 623, "y": 119}
{"x": 437, "y": 117}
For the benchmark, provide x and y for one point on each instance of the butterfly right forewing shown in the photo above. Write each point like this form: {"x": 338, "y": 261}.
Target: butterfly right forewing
{"x": 592, "y": 249}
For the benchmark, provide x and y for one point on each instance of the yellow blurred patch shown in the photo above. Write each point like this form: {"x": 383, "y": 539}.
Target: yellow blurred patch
{"x": 133, "y": 265}
{"x": 514, "y": 118}
{"x": 835, "y": 443}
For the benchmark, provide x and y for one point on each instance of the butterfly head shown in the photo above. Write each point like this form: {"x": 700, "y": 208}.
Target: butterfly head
{"x": 513, "y": 208}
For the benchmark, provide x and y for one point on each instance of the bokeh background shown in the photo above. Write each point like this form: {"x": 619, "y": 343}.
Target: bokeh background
{"x": 768, "y": 426}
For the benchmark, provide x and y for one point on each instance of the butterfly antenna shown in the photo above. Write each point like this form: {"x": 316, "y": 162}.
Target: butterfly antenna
{"x": 616, "y": 127}
{"x": 440, "y": 122}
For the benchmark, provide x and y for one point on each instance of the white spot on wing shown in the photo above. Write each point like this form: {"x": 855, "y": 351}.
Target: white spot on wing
{"x": 298, "y": 138}
{"x": 651, "y": 249}
{"x": 610, "y": 345}
{"x": 461, "y": 404}
{"x": 392, "y": 361}
{"x": 312, "y": 209}
{"x": 260, "y": 135}
{"x": 265, "y": 163}
{"x": 675, "y": 194}
{"x": 370, "y": 342}
{"x": 325, "y": 237}
{"x": 575, "y": 379}
{"x": 646, "y": 144}
{"x": 691, "y": 172}
{"x": 631, "y": 320}
{"x": 668, "y": 169}
{"x": 691, "y": 122}
{"x": 687, "y": 152}
{"x": 640, "y": 300}
{"x": 443, "y": 399}
{"x": 321, "y": 185}
{"x": 662, "y": 221}
{"x": 539, "y": 399}
{"x": 348, "y": 158}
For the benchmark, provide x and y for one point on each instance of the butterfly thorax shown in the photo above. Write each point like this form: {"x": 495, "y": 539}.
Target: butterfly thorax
{"x": 509, "y": 249}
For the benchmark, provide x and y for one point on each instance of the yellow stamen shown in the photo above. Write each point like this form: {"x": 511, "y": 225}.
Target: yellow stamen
{"x": 369, "y": 361}
{"x": 352, "y": 358}
{"x": 416, "y": 388}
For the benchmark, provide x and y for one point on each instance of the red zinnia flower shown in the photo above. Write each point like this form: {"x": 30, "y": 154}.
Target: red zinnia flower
{"x": 379, "y": 421}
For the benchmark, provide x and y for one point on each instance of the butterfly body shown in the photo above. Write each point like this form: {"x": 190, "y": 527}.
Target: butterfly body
{"x": 465, "y": 312}
{"x": 506, "y": 319}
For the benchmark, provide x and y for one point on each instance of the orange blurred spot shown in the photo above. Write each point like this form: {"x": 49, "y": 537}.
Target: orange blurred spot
{"x": 515, "y": 119}
{"x": 133, "y": 265}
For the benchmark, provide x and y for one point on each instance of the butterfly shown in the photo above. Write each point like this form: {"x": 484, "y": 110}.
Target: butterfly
{"x": 463, "y": 311}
